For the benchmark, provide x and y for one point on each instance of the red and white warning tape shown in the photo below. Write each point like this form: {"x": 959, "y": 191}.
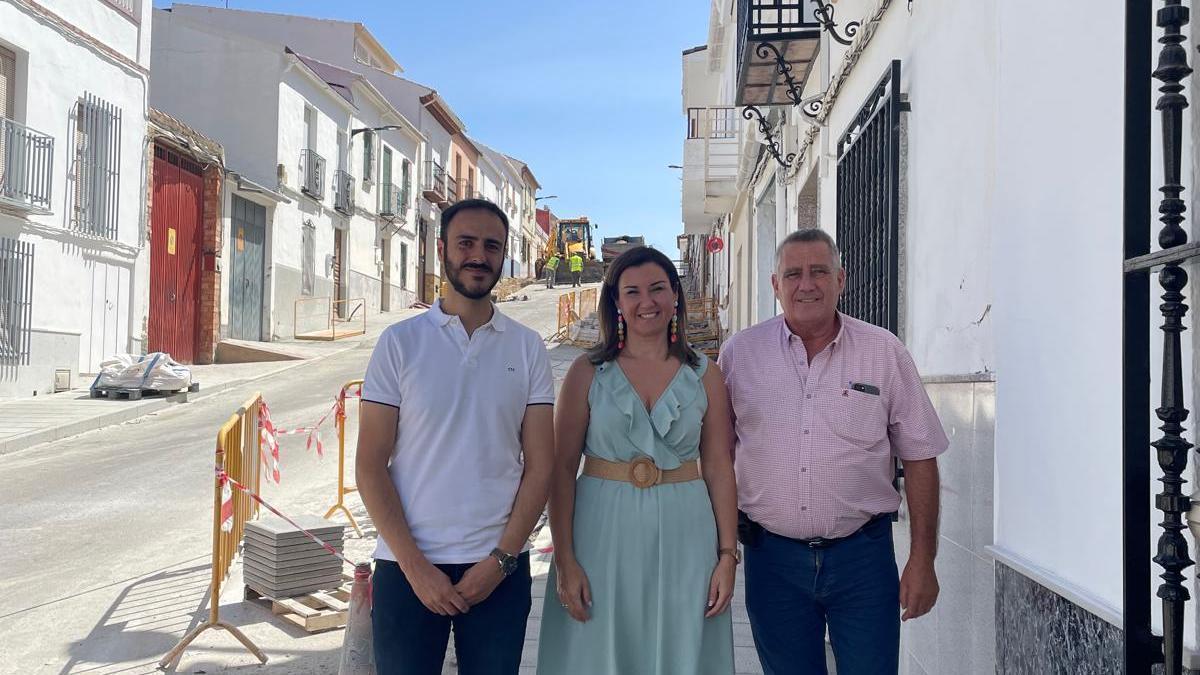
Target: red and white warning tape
{"x": 227, "y": 511}
{"x": 270, "y": 433}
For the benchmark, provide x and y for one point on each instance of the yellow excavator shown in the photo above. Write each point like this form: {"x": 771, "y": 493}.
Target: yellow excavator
{"x": 571, "y": 236}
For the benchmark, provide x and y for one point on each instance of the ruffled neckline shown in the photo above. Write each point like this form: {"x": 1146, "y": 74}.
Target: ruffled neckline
{"x": 670, "y": 404}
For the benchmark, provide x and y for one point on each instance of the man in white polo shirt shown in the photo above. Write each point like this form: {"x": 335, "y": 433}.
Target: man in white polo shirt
{"x": 455, "y": 449}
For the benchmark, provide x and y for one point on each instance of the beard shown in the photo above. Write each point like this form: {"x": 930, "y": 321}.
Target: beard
{"x": 471, "y": 289}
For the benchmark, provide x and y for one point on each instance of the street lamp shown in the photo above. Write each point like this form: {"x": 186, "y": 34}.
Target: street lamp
{"x": 674, "y": 166}
{"x": 386, "y": 127}
{"x": 538, "y": 199}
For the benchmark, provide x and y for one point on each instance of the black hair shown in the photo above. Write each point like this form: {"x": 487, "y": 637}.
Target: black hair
{"x": 467, "y": 205}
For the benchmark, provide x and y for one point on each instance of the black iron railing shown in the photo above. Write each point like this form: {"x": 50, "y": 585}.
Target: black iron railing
{"x": 868, "y": 205}
{"x": 312, "y": 174}
{"x": 1143, "y": 649}
{"x": 392, "y": 201}
{"x": 26, "y": 166}
{"x": 16, "y": 300}
{"x": 343, "y": 192}
{"x": 435, "y": 181}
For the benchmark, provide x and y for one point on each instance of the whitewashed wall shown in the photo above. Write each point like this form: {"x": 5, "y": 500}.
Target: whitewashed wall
{"x": 89, "y": 296}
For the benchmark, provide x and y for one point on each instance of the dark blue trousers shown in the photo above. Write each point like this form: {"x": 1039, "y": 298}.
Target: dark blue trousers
{"x": 411, "y": 640}
{"x": 793, "y": 592}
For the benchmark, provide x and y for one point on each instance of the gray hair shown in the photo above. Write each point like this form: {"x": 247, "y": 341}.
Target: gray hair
{"x": 810, "y": 234}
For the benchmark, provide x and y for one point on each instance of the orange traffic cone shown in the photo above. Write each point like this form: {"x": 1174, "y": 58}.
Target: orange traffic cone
{"x": 358, "y": 652}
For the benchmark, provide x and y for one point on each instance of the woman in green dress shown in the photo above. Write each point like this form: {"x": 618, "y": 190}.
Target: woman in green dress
{"x": 645, "y": 540}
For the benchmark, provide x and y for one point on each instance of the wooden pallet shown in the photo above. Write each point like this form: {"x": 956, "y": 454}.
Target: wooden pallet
{"x": 136, "y": 394}
{"x": 316, "y": 611}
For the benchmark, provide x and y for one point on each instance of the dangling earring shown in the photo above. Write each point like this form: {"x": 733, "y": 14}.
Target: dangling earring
{"x": 675, "y": 325}
{"x": 620, "y": 330}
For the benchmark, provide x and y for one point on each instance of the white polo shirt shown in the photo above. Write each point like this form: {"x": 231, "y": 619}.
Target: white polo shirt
{"x": 461, "y": 402}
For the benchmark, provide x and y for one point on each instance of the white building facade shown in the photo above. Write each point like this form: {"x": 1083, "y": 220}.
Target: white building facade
{"x": 980, "y": 218}
{"x": 74, "y": 265}
{"x": 319, "y": 218}
{"x": 446, "y": 143}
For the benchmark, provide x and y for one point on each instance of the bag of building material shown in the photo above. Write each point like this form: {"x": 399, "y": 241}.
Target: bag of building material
{"x": 156, "y": 371}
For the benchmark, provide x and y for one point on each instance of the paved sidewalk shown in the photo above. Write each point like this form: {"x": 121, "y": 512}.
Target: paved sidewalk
{"x": 27, "y": 422}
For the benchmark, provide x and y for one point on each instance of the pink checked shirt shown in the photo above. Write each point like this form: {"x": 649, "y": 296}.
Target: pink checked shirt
{"x": 814, "y": 440}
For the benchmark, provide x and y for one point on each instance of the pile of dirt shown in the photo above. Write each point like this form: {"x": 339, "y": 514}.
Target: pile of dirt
{"x": 509, "y": 287}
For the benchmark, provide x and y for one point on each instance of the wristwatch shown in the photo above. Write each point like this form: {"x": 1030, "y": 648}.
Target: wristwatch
{"x": 737, "y": 557}
{"x": 508, "y": 562}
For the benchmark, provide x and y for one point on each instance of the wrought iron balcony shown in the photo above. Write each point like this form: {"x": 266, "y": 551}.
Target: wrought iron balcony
{"x": 393, "y": 202}
{"x": 343, "y": 192}
{"x": 26, "y": 167}
{"x": 777, "y": 44}
{"x": 452, "y": 191}
{"x": 434, "y": 189}
{"x": 312, "y": 174}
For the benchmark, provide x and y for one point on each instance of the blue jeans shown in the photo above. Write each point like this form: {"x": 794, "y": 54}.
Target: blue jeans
{"x": 411, "y": 640}
{"x": 793, "y": 592}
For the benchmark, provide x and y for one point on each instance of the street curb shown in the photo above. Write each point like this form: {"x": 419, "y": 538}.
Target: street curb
{"x": 146, "y": 407}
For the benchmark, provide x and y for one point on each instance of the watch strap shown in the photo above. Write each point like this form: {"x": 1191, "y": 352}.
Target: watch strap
{"x": 508, "y": 562}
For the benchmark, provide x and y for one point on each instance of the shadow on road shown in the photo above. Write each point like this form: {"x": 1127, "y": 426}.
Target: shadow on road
{"x": 143, "y": 623}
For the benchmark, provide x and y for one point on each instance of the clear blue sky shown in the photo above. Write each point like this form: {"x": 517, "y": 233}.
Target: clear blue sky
{"x": 587, "y": 93}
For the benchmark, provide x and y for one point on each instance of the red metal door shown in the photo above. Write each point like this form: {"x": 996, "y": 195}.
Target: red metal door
{"x": 174, "y": 255}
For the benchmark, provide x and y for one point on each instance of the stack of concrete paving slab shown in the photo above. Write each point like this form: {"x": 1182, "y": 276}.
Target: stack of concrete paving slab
{"x": 279, "y": 561}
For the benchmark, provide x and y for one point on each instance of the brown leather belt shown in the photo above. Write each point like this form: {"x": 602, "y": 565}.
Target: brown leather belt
{"x": 641, "y": 472}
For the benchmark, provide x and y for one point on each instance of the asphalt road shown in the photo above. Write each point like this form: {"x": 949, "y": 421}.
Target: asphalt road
{"x": 105, "y": 537}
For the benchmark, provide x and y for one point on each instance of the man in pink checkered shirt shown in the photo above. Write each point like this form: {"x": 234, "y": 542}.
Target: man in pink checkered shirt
{"x": 822, "y": 403}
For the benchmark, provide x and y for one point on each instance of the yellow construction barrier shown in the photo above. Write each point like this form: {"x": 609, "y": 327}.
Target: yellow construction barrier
{"x": 588, "y": 301}
{"x": 344, "y": 489}
{"x": 566, "y": 316}
{"x": 239, "y": 448}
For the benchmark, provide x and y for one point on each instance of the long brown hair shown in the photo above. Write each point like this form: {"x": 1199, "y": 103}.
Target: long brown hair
{"x": 607, "y": 350}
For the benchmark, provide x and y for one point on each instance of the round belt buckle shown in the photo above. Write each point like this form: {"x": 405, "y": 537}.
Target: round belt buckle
{"x": 643, "y": 473}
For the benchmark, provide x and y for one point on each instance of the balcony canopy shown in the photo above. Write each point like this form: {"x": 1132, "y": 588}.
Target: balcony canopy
{"x": 767, "y": 31}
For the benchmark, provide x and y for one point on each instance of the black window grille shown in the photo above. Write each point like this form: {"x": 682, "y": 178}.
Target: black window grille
{"x": 16, "y": 300}
{"x": 95, "y": 166}
{"x": 405, "y": 186}
{"x": 369, "y": 155}
{"x": 404, "y": 266}
{"x": 308, "y": 263}
{"x": 868, "y": 205}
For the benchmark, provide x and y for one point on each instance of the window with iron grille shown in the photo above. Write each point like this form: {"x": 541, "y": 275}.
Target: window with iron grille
{"x": 16, "y": 300}
{"x": 868, "y": 205}
{"x": 404, "y": 266}
{"x": 405, "y": 185}
{"x": 95, "y": 166}
{"x": 368, "y": 155}
{"x": 308, "y": 262}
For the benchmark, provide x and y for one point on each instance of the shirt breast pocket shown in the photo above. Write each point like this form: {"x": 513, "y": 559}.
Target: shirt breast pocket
{"x": 859, "y": 418}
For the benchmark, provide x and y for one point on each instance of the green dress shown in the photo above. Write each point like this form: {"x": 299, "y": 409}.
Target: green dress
{"x": 648, "y": 553}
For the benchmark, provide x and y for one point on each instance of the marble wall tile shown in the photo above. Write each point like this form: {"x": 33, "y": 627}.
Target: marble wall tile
{"x": 958, "y": 635}
{"x": 983, "y": 455}
{"x": 956, "y": 572}
{"x": 1040, "y": 632}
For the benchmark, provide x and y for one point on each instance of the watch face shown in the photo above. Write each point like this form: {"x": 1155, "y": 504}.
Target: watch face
{"x": 508, "y": 563}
